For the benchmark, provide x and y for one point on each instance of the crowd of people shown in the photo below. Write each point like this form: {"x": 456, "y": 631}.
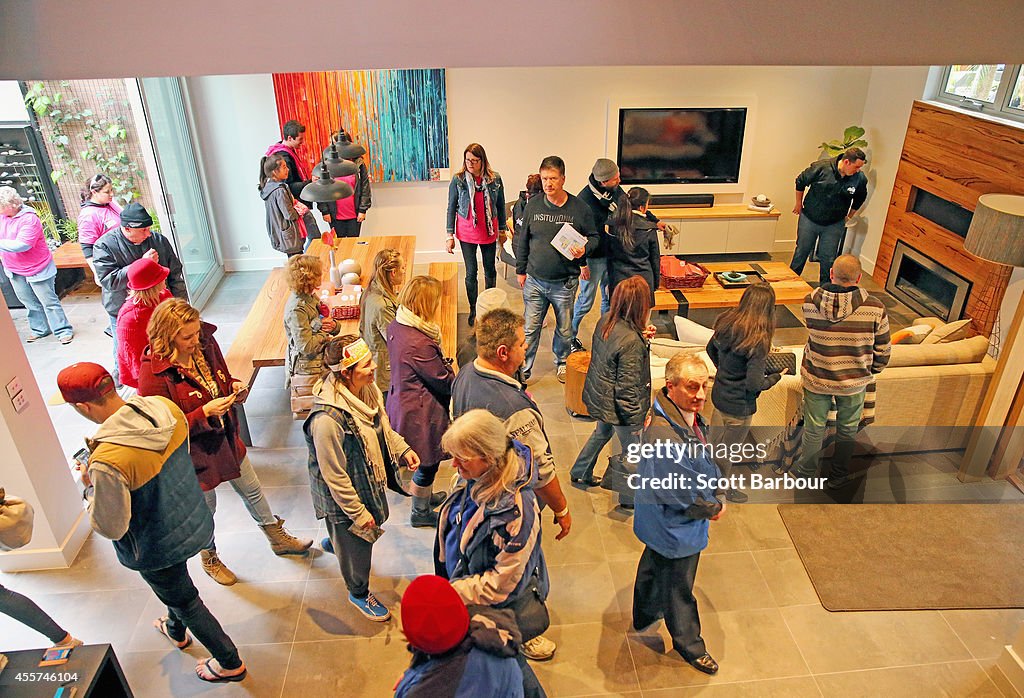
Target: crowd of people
{"x": 386, "y": 408}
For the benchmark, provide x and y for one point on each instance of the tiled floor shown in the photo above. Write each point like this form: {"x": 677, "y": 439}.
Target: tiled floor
{"x": 760, "y": 614}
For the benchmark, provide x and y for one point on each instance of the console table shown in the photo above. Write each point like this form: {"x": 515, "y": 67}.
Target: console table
{"x": 721, "y": 229}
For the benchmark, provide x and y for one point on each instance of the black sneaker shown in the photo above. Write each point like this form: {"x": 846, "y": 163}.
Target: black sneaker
{"x": 736, "y": 496}
{"x": 576, "y": 345}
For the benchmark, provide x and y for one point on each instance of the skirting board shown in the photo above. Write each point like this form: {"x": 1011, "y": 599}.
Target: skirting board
{"x": 32, "y": 559}
{"x": 1011, "y": 666}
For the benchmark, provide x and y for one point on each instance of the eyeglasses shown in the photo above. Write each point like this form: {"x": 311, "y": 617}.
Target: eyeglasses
{"x": 473, "y": 161}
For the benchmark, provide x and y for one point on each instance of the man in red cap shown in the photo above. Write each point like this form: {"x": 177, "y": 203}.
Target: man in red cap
{"x": 457, "y": 652}
{"x": 147, "y": 288}
{"x": 143, "y": 495}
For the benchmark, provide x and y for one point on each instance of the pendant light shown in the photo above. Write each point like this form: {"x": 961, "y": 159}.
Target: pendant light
{"x": 336, "y": 165}
{"x": 346, "y": 148}
{"x": 325, "y": 187}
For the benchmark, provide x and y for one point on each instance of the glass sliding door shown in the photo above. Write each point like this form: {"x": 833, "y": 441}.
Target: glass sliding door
{"x": 190, "y": 224}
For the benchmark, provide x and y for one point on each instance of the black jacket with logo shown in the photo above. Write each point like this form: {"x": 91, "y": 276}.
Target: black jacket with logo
{"x": 832, "y": 195}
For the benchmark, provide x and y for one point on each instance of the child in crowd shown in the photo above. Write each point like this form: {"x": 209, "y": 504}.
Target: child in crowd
{"x": 283, "y": 224}
{"x": 307, "y": 332}
{"x": 739, "y": 348}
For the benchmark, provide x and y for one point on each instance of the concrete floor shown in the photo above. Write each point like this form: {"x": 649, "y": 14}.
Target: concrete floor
{"x": 760, "y": 614}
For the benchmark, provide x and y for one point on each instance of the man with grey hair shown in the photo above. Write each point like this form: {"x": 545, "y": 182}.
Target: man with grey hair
{"x": 847, "y": 345}
{"x": 30, "y": 267}
{"x": 672, "y": 521}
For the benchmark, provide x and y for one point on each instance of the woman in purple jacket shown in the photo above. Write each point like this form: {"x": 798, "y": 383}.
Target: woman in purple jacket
{"x": 421, "y": 387}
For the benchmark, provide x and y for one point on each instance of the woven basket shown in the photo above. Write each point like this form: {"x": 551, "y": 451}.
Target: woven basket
{"x": 674, "y": 276}
{"x": 345, "y": 312}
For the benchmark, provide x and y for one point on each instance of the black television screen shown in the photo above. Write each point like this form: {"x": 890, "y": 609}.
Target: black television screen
{"x": 681, "y": 146}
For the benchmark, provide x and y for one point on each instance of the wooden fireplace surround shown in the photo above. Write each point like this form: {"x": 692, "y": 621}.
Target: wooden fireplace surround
{"x": 958, "y": 157}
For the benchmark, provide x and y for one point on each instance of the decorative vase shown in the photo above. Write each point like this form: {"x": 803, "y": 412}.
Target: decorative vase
{"x": 335, "y": 272}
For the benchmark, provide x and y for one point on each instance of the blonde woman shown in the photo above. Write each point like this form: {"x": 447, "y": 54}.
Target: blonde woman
{"x": 353, "y": 459}
{"x": 184, "y": 364}
{"x": 489, "y": 533}
{"x": 147, "y": 288}
{"x": 307, "y": 332}
{"x": 421, "y": 387}
{"x": 378, "y": 307}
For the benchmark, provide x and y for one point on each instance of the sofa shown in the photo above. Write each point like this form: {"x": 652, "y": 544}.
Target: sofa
{"x": 926, "y": 399}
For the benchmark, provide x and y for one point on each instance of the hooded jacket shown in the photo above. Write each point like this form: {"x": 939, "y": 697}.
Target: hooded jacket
{"x": 145, "y": 496}
{"x": 662, "y": 518}
{"x": 483, "y": 664}
{"x": 617, "y": 389}
{"x": 113, "y": 253}
{"x": 23, "y": 245}
{"x": 282, "y": 219}
{"x": 96, "y": 220}
{"x": 847, "y": 340}
{"x": 499, "y": 544}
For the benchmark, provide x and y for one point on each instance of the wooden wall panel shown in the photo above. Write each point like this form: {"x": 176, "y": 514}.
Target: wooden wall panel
{"x": 958, "y": 157}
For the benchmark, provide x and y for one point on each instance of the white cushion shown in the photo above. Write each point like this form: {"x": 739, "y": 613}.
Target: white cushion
{"x": 691, "y": 332}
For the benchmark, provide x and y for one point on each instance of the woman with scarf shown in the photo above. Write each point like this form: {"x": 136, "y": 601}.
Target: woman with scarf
{"x": 184, "y": 364}
{"x": 476, "y": 213}
{"x": 353, "y": 459}
{"x": 421, "y": 387}
{"x": 377, "y": 308}
{"x": 489, "y": 530}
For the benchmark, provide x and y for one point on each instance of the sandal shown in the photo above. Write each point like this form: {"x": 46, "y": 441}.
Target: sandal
{"x": 161, "y": 627}
{"x": 218, "y": 678}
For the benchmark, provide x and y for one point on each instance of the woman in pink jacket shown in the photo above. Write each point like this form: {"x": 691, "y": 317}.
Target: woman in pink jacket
{"x": 29, "y": 264}
{"x": 100, "y": 213}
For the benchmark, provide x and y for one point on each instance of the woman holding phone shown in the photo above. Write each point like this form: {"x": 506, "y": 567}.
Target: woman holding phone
{"x": 184, "y": 363}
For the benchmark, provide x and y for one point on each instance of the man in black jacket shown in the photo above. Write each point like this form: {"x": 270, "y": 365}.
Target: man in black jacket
{"x": 838, "y": 189}
{"x": 547, "y": 277}
{"x": 117, "y": 249}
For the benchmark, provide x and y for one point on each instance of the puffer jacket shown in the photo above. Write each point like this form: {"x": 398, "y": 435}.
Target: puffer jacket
{"x": 282, "y": 219}
{"x": 618, "y": 385}
{"x": 500, "y": 544}
{"x": 306, "y": 338}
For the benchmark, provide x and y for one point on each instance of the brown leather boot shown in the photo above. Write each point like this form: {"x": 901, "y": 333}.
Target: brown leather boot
{"x": 217, "y": 570}
{"x": 282, "y": 542}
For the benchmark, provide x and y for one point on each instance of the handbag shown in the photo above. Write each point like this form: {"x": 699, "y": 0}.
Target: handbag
{"x": 16, "y": 516}
{"x": 778, "y": 360}
{"x": 531, "y": 612}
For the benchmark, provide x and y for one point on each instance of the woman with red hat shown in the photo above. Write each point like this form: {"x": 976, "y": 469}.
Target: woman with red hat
{"x": 457, "y": 651}
{"x": 147, "y": 288}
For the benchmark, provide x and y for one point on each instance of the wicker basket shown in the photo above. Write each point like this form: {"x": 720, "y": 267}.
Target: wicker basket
{"x": 673, "y": 274}
{"x": 345, "y": 312}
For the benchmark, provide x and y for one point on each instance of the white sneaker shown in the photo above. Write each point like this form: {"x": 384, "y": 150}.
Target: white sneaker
{"x": 539, "y": 649}
{"x": 560, "y": 373}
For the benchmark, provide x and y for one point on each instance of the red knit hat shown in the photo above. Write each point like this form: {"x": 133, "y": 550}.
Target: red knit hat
{"x": 144, "y": 273}
{"x": 434, "y": 618}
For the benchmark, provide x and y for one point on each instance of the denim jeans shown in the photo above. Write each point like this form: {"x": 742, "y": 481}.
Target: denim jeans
{"x": 826, "y": 236}
{"x": 115, "y": 373}
{"x": 537, "y": 296}
{"x": 24, "y": 610}
{"x": 425, "y": 474}
{"x": 45, "y": 313}
{"x": 247, "y": 485}
{"x": 603, "y": 432}
{"x": 727, "y": 429}
{"x": 490, "y": 269}
{"x": 848, "y": 412}
{"x": 598, "y": 267}
{"x": 185, "y": 609}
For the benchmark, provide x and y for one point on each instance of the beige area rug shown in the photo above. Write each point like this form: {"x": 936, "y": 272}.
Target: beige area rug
{"x": 889, "y": 557}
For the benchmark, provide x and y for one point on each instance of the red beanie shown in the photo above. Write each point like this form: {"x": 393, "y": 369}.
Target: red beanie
{"x": 434, "y": 618}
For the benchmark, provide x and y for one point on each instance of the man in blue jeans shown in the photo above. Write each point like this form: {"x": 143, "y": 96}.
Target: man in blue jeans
{"x": 847, "y": 344}
{"x": 837, "y": 190}
{"x": 547, "y": 277}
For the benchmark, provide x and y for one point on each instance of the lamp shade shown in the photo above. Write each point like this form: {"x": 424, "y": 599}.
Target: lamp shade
{"x": 345, "y": 149}
{"x": 325, "y": 188}
{"x": 339, "y": 167}
{"x": 997, "y": 229}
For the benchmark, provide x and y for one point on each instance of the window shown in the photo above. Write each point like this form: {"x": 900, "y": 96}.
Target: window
{"x": 996, "y": 89}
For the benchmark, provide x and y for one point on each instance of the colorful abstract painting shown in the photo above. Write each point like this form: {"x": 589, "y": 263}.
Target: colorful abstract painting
{"x": 399, "y": 116}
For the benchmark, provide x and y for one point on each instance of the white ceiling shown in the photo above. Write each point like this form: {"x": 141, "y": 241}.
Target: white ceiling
{"x": 127, "y": 38}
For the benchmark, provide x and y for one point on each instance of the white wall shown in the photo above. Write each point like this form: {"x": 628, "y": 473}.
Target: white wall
{"x": 520, "y": 115}
{"x": 12, "y": 105}
{"x": 891, "y": 93}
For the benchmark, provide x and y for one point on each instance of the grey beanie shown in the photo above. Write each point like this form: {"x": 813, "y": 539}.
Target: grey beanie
{"x": 605, "y": 169}
{"x": 491, "y": 299}
{"x": 135, "y": 215}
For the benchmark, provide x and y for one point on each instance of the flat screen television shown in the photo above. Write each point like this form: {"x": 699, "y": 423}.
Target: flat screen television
{"x": 681, "y": 146}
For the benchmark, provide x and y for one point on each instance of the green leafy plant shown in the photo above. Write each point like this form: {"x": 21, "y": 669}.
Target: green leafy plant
{"x": 48, "y": 220}
{"x": 67, "y": 228}
{"x": 105, "y": 136}
{"x": 852, "y": 138}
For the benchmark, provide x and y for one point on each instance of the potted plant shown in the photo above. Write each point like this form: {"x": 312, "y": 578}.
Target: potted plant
{"x": 852, "y": 138}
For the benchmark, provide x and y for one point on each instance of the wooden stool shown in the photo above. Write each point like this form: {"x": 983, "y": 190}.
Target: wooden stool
{"x": 576, "y": 367}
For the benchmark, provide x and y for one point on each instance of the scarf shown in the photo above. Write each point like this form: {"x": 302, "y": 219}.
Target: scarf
{"x": 300, "y": 164}
{"x": 406, "y": 317}
{"x": 368, "y": 414}
{"x": 471, "y": 184}
{"x": 605, "y": 197}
